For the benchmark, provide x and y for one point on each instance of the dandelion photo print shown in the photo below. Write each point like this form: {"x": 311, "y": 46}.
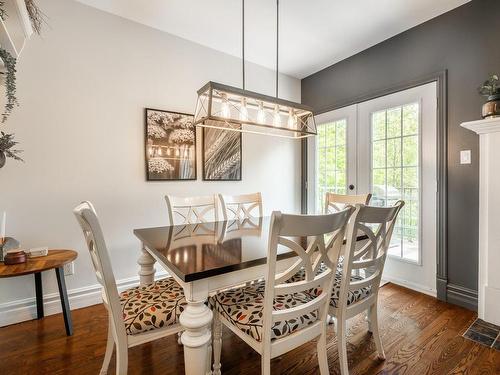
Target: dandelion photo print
{"x": 221, "y": 155}
{"x": 170, "y": 146}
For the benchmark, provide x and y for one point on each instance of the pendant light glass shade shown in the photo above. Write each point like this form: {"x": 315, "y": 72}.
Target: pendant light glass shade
{"x": 230, "y": 108}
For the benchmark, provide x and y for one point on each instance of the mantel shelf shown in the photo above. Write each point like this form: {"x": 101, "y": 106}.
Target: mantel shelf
{"x": 489, "y": 125}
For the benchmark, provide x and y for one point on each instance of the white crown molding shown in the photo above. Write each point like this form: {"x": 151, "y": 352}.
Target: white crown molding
{"x": 25, "y": 309}
{"x": 489, "y": 125}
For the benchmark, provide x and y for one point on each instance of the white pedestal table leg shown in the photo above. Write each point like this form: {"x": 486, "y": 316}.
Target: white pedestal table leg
{"x": 196, "y": 320}
{"x": 147, "y": 270}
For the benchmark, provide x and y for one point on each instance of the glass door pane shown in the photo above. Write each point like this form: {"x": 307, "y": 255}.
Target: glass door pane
{"x": 395, "y": 155}
{"x": 331, "y": 166}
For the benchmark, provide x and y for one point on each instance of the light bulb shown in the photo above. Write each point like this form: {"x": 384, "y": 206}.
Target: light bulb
{"x": 243, "y": 110}
{"x": 261, "y": 116}
{"x": 169, "y": 151}
{"x": 186, "y": 153}
{"x": 151, "y": 151}
{"x": 224, "y": 108}
{"x": 277, "y": 117}
{"x": 292, "y": 119}
{"x": 159, "y": 151}
{"x": 177, "y": 152}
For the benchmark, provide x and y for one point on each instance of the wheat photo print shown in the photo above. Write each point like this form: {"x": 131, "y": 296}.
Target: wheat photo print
{"x": 221, "y": 155}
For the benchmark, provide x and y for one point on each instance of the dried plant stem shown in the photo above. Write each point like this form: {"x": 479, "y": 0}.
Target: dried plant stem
{"x": 37, "y": 17}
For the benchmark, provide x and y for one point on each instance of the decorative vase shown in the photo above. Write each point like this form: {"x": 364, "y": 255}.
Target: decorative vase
{"x": 2, "y": 159}
{"x": 6, "y": 244}
{"x": 492, "y": 107}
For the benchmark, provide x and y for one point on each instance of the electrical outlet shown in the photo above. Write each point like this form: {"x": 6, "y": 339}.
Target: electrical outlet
{"x": 69, "y": 269}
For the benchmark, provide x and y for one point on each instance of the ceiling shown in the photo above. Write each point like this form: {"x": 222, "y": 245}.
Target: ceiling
{"x": 313, "y": 34}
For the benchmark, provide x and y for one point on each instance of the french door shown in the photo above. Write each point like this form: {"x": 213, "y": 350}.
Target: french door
{"x": 385, "y": 146}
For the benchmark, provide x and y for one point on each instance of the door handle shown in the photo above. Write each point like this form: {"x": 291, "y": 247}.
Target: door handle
{"x": 351, "y": 187}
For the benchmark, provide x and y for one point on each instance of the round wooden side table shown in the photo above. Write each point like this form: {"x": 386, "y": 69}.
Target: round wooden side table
{"x": 56, "y": 259}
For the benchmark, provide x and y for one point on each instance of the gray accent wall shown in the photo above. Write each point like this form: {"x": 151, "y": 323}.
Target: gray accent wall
{"x": 466, "y": 43}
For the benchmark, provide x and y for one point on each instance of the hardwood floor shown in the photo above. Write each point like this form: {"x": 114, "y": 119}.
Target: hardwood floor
{"x": 420, "y": 334}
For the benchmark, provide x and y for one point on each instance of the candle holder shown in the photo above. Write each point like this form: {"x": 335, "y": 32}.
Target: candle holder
{"x": 7, "y": 243}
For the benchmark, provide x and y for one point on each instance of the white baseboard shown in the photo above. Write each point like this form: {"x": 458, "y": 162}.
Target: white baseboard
{"x": 411, "y": 285}
{"x": 25, "y": 309}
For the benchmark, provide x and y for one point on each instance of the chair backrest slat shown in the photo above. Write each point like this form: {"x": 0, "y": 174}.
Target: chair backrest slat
{"x": 94, "y": 238}
{"x": 240, "y": 207}
{"x": 192, "y": 210}
{"x": 300, "y": 286}
{"x": 306, "y": 308}
{"x": 305, "y": 236}
{"x": 337, "y": 202}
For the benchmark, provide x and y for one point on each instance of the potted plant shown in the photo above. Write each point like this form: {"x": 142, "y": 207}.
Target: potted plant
{"x": 6, "y": 144}
{"x": 491, "y": 90}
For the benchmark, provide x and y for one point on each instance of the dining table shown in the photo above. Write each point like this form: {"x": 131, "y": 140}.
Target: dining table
{"x": 205, "y": 258}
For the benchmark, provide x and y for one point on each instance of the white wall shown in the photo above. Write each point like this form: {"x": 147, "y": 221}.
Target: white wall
{"x": 83, "y": 87}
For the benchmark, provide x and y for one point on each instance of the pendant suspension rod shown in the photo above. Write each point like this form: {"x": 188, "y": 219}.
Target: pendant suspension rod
{"x": 243, "y": 42}
{"x": 277, "y": 41}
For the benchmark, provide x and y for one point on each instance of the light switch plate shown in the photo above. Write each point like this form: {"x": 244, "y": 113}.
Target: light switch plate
{"x": 465, "y": 157}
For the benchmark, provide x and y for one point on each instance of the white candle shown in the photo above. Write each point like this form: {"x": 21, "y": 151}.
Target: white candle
{"x": 2, "y": 225}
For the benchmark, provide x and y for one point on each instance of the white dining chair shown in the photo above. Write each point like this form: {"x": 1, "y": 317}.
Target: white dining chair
{"x": 192, "y": 210}
{"x": 336, "y": 202}
{"x": 355, "y": 294}
{"x": 137, "y": 315}
{"x": 275, "y": 316}
{"x": 241, "y": 207}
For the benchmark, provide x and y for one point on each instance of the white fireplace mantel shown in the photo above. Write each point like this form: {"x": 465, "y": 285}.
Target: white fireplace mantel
{"x": 489, "y": 217}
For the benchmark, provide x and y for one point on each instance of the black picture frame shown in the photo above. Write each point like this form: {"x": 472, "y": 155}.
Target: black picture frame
{"x": 204, "y": 160}
{"x": 164, "y": 142}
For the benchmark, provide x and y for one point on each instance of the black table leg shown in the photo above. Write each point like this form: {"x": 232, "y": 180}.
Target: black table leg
{"x": 61, "y": 283}
{"x": 39, "y": 295}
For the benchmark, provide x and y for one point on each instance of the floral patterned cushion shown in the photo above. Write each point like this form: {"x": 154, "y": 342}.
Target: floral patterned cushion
{"x": 352, "y": 297}
{"x": 243, "y": 307}
{"x": 156, "y": 305}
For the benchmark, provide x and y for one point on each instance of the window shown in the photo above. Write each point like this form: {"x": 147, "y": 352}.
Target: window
{"x": 330, "y": 160}
{"x": 395, "y": 155}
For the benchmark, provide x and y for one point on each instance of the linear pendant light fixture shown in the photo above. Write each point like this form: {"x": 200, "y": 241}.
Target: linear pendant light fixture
{"x": 231, "y": 108}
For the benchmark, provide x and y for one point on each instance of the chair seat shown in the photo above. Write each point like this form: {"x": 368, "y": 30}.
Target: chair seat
{"x": 352, "y": 297}
{"x": 153, "y": 306}
{"x": 242, "y": 307}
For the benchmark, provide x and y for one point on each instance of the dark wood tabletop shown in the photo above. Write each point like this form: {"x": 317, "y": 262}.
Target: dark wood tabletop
{"x": 54, "y": 259}
{"x": 198, "y": 251}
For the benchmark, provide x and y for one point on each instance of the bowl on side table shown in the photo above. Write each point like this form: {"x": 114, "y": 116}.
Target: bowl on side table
{"x": 15, "y": 257}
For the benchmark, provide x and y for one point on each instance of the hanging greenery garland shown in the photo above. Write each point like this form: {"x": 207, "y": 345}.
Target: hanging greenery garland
{"x": 6, "y": 148}
{"x": 10, "y": 82}
{"x": 3, "y": 14}
{"x": 7, "y": 142}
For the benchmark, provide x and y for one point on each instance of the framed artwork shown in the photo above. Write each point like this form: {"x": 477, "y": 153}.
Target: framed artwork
{"x": 221, "y": 155}
{"x": 170, "y": 146}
